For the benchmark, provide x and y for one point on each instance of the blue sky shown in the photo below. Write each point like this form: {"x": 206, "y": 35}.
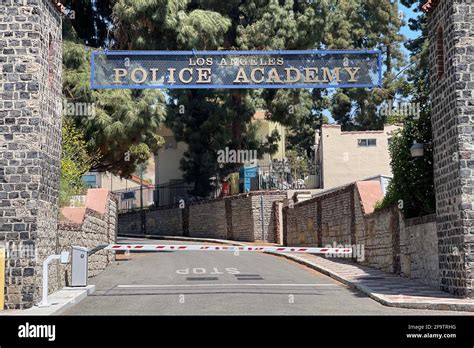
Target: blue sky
{"x": 409, "y": 13}
{"x": 406, "y": 31}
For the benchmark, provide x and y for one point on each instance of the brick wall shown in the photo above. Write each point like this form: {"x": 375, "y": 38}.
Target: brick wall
{"x": 236, "y": 217}
{"x": 162, "y": 221}
{"x": 208, "y": 219}
{"x": 265, "y": 231}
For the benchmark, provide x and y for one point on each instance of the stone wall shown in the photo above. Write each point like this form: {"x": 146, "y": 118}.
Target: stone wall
{"x": 162, "y": 221}
{"x": 241, "y": 223}
{"x": 88, "y": 227}
{"x": 382, "y": 229}
{"x": 96, "y": 229}
{"x": 337, "y": 216}
{"x": 168, "y": 221}
{"x": 419, "y": 250}
{"x": 322, "y": 220}
{"x": 208, "y": 219}
{"x": 30, "y": 140}
{"x": 266, "y": 230}
{"x": 381, "y": 239}
{"x": 300, "y": 226}
{"x": 236, "y": 217}
{"x": 451, "y": 42}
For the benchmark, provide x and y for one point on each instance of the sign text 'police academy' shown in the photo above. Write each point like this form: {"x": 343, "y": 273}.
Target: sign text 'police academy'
{"x": 252, "y": 70}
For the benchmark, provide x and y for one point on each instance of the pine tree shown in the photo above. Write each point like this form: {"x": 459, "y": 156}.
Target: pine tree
{"x": 365, "y": 24}
{"x": 124, "y": 124}
{"x": 260, "y": 25}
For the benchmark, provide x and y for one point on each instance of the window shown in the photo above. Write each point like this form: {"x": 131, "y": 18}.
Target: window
{"x": 367, "y": 142}
{"x": 90, "y": 180}
{"x": 440, "y": 53}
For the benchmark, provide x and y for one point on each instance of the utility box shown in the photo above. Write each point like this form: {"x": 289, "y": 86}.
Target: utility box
{"x": 79, "y": 266}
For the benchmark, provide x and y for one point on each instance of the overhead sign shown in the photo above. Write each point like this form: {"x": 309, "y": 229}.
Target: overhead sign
{"x": 236, "y": 69}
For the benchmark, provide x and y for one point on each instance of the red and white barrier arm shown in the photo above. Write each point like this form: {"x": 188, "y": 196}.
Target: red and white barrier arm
{"x": 168, "y": 247}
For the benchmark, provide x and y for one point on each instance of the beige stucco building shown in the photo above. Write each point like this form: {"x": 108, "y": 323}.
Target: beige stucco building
{"x": 265, "y": 129}
{"x": 345, "y": 157}
{"x": 121, "y": 186}
{"x": 168, "y": 157}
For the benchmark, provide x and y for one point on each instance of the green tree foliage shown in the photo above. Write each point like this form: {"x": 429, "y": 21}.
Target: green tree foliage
{"x": 91, "y": 20}
{"x": 124, "y": 125}
{"x": 75, "y": 161}
{"x": 212, "y": 119}
{"x": 412, "y": 187}
{"x": 365, "y": 24}
{"x": 259, "y": 25}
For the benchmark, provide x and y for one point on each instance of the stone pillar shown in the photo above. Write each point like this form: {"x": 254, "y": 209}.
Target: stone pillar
{"x": 30, "y": 142}
{"x": 451, "y": 30}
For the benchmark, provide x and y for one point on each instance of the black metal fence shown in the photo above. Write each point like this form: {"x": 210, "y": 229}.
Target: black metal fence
{"x": 272, "y": 176}
{"x": 160, "y": 195}
{"x": 277, "y": 176}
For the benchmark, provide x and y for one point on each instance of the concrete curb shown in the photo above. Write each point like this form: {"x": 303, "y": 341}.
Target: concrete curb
{"x": 464, "y": 307}
{"x": 61, "y": 300}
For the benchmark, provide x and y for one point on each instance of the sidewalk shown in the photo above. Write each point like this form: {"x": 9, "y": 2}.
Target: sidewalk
{"x": 386, "y": 288}
{"x": 59, "y": 300}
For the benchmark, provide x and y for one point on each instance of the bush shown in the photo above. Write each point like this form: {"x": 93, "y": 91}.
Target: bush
{"x": 412, "y": 186}
{"x": 75, "y": 161}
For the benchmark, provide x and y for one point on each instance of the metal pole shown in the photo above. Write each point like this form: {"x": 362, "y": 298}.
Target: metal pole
{"x": 261, "y": 215}
{"x": 46, "y": 262}
{"x": 141, "y": 189}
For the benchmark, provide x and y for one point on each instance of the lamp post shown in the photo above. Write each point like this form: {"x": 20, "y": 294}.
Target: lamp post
{"x": 417, "y": 149}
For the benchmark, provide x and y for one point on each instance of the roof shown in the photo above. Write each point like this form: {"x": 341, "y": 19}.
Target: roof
{"x": 136, "y": 179}
{"x": 385, "y": 129}
{"x": 370, "y": 193}
{"x": 429, "y": 5}
{"x": 96, "y": 199}
{"x": 259, "y": 115}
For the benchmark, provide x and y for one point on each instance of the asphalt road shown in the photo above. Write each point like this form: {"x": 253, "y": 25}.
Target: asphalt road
{"x": 221, "y": 283}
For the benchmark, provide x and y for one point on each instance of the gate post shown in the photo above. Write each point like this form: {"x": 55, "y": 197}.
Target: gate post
{"x": 30, "y": 139}
{"x": 451, "y": 44}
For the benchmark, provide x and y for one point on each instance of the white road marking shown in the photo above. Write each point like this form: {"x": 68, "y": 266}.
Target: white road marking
{"x": 131, "y": 286}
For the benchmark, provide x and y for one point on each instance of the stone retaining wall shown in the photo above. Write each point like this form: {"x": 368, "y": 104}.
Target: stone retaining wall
{"x": 236, "y": 218}
{"x": 95, "y": 228}
{"x": 419, "y": 250}
{"x": 208, "y": 220}
{"x": 384, "y": 238}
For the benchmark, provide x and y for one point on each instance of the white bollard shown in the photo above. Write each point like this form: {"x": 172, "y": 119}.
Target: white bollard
{"x": 64, "y": 258}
